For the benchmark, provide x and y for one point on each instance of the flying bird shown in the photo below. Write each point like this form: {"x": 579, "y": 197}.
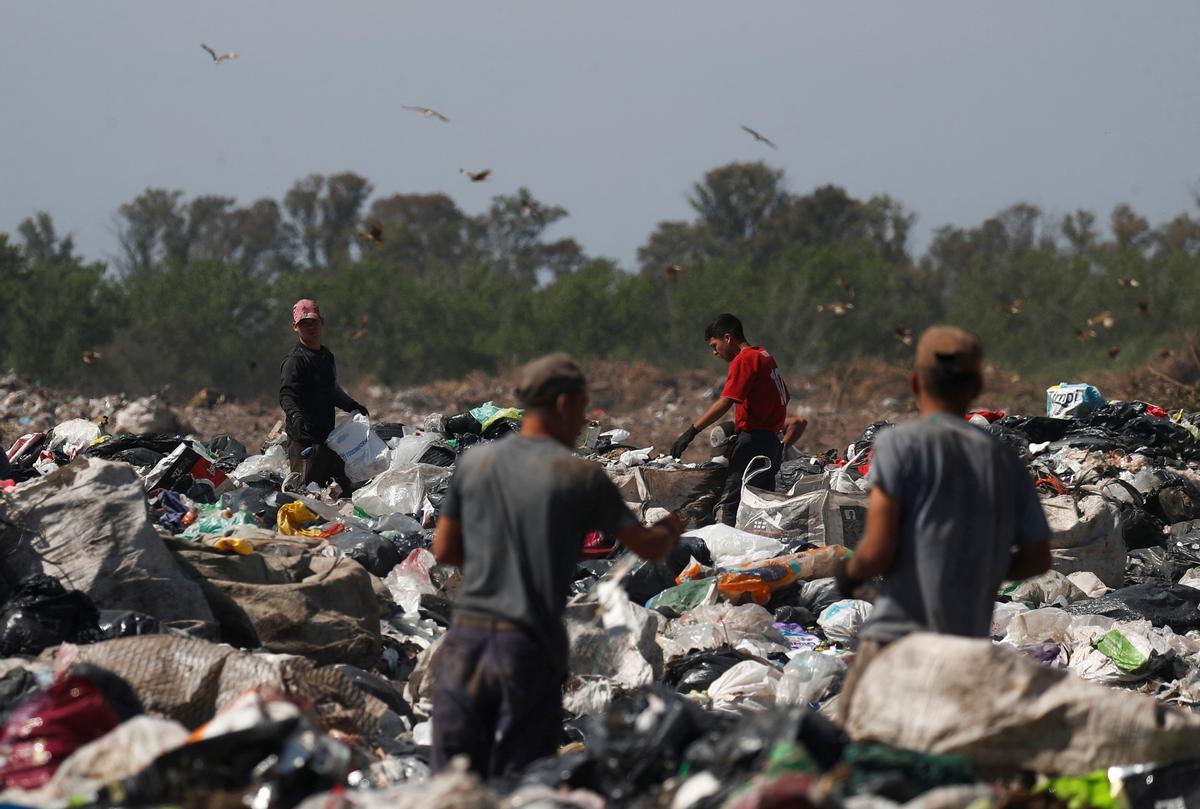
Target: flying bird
{"x": 1166, "y": 352}
{"x": 1128, "y": 282}
{"x": 91, "y": 357}
{"x": 1143, "y": 307}
{"x": 904, "y": 334}
{"x": 675, "y": 270}
{"x": 1015, "y": 306}
{"x": 476, "y": 176}
{"x": 1104, "y": 319}
{"x": 1113, "y": 352}
{"x": 529, "y": 206}
{"x": 429, "y": 113}
{"x": 374, "y": 234}
{"x": 219, "y": 58}
{"x": 759, "y": 137}
{"x": 1082, "y": 335}
{"x": 845, "y": 287}
{"x": 836, "y": 308}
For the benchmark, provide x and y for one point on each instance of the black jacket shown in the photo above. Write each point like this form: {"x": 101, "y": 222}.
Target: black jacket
{"x": 308, "y": 393}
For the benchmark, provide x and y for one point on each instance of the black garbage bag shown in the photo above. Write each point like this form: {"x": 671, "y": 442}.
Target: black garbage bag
{"x": 1152, "y": 565}
{"x": 1184, "y": 552}
{"x": 902, "y": 775}
{"x": 1175, "y": 500}
{"x": 262, "y": 501}
{"x": 439, "y": 455}
{"x": 649, "y": 579}
{"x": 1173, "y": 605}
{"x": 462, "y": 424}
{"x": 389, "y": 430}
{"x": 286, "y": 761}
{"x": 791, "y": 614}
{"x": 370, "y": 550}
{"x": 127, "y": 623}
{"x": 791, "y": 471}
{"x": 645, "y": 734}
{"x": 1169, "y": 785}
{"x": 41, "y": 613}
{"x": 15, "y": 686}
{"x": 867, "y": 440}
{"x": 438, "y": 609}
{"x": 115, "y": 448}
{"x": 696, "y": 671}
{"x": 1140, "y": 528}
{"x": 1036, "y": 429}
{"x": 407, "y": 542}
{"x": 500, "y": 428}
{"x": 757, "y": 737}
{"x": 228, "y": 450}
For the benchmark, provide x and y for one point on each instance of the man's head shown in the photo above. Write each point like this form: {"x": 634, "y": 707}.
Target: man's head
{"x": 725, "y": 336}
{"x": 307, "y": 322}
{"x": 948, "y": 372}
{"x": 553, "y": 391}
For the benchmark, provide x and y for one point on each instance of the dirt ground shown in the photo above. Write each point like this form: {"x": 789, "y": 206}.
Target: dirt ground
{"x": 652, "y": 404}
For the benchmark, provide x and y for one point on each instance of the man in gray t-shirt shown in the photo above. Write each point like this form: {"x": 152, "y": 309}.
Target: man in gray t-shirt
{"x": 514, "y": 519}
{"x": 952, "y": 511}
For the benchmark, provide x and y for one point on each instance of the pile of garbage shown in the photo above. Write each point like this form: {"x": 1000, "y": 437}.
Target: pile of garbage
{"x": 182, "y": 624}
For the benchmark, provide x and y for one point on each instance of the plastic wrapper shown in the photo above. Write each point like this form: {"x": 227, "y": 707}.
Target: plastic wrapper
{"x": 808, "y": 677}
{"x": 215, "y": 519}
{"x": 685, "y": 596}
{"x": 409, "y": 580}
{"x": 399, "y": 490}
{"x": 842, "y": 620}
{"x": 190, "y": 470}
{"x": 365, "y": 454}
{"x": 730, "y": 546}
{"x": 696, "y": 671}
{"x": 1049, "y": 589}
{"x": 73, "y": 435}
{"x": 721, "y": 625}
{"x": 272, "y": 463}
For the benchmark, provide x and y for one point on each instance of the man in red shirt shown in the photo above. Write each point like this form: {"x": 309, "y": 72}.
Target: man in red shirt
{"x": 755, "y": 386}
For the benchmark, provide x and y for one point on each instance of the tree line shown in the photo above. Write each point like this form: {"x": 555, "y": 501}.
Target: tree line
{"x": 199, "y": 293}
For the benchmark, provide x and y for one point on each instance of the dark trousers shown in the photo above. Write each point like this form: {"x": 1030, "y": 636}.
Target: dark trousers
{"x": 321, "y": 467}
{"x": 746, "y": 447}
{"x": 496, "y": 700}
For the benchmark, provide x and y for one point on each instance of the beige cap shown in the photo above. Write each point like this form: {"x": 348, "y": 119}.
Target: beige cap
{"x": 949, "y": 348}
{"x": 542, "y": 380}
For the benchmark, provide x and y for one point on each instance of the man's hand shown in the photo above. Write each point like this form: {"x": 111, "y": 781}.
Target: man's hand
{"x": 681, "y": 443}
{"x": 358, "y": 408}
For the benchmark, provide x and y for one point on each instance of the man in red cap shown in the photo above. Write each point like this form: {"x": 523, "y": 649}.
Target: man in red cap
{"x": 308, "y": 393}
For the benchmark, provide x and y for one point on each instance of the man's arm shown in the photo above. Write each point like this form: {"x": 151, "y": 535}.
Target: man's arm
{"x": 711, "y": 416}
{"x": 1029, "y": 560}
{"x": 448, "y": 542}
{"x": 344, "y": 401}
{"x": 655, "y": 542}
{"x": 793, "y": 428}
{"x": 876, "y": 552}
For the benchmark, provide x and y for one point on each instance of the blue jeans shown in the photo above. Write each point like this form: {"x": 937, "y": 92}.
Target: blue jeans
{"x": 496, "y": 699}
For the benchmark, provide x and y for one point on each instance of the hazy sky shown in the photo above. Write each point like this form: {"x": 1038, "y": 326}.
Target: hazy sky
{"x": 611, "y": 109}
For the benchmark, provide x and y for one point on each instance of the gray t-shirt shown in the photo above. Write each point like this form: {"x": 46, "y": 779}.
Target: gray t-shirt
{"x": 526, "y": 505}
{"x": 965, "y": 501}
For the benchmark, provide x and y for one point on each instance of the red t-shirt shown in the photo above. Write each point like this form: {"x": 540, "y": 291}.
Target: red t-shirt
{"x": 755, "y": 384}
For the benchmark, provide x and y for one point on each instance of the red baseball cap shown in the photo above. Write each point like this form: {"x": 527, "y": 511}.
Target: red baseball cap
{"x": 304, "y": 309}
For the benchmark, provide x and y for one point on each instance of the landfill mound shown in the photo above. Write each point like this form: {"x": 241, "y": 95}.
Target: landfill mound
{"x": 180, "y": 625}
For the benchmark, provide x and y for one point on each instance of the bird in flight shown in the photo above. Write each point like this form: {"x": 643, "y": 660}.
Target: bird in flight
{"x": 373, "y": 234}
{"x": 1113, "y": 352}
{"x": 91, "y": 357}
{"x": 476, "y": 176}
{"x": 903, "y": 334}
{"x": 1015, "y": 306}
{"x": 759, "y": 137}
{"x": 836, "y": 308}
{"x": 675, "y": 270}
{"x": 219, "y": 58}
{"x": 845, "y": 286}
{"x": 1104, "y": 319}
{"x": 1143, "y": 307}
{"x": 1082, "y": 335}
{"x": 530, "y": 206}
{"x": 1128, "y": 282}
{"x": 429, "y": 113}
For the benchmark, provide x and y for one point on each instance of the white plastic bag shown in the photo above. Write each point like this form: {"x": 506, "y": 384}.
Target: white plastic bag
{"x": 407, "y": 450}
{"x": 749, "y": 684}
{"x": 273, "y": 462}
{"x": 730, "y": 546}
{"x": 73, "y": 435}
{"x": 399, "y": 490}
{"x": 365, "y": 453}
{"x": 808, "y": 677}
{"x": 409, "y": 580}
{"x": 841, "y": 620}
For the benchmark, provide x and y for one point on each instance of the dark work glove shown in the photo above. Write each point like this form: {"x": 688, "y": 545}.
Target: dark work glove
{"x": 681, "y": 443}
{"x": 846, "y": 585}
{"x": 361, "y": 409}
